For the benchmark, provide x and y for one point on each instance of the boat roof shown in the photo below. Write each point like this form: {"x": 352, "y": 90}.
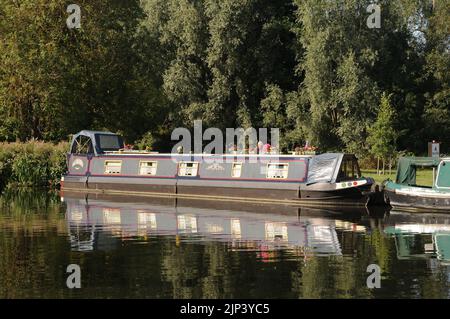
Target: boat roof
{"x": 406, "y": 169}
{"x": 146, "y": 153}
{"x": 421, "y": 161}
{"x": 93, "y": 133}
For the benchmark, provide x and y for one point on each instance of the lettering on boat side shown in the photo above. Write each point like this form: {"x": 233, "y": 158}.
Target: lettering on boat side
{"x": 215, "y": 167}
{"x": 374, "y": 279}
{"x": 238, "y": 141}
{"x": 74, "y": 279}
{"x": 74, "y": 19}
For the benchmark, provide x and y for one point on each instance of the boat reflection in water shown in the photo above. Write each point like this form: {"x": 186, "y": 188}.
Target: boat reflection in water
{"x": 102, "y": 222}
{"x": 98, "y": 223}
{"x": 421, "y": 236}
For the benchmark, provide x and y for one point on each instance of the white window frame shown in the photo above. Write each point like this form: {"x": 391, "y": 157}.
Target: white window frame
{"x": 234, "y": 168}
{"x": 109, "y": 171}
{"x": 285, "y": 171}
{"x": 151, "y": 170}
{"x": 183, "y": 169}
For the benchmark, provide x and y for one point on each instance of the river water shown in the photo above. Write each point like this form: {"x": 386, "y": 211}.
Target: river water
{"x": 127, "y": 248}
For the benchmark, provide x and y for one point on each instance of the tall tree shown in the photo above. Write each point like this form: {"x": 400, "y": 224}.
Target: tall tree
{"x": 382, "y": 135}
{"x": 342, "y": 54}
{"x": 251, "y": 44}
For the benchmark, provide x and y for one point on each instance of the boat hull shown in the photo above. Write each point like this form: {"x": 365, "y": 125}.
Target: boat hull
{"x": 261, "y": 192}
{"x": 416, "y": 201}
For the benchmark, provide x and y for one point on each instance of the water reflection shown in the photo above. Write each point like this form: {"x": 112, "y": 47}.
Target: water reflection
{"x": 420, "y": 235}
{"x": 185, "y": 249}
{"x": 241, "y": 230}
{"x": 307, "y": 231}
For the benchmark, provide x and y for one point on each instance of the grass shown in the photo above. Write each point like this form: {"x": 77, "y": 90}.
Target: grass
{"x": 424, "y": 177}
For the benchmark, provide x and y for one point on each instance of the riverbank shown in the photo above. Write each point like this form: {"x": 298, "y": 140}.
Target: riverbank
{"x": 33, "y": 163}
{"x": 36, "y": 163}
{"x": 424, "y": 176}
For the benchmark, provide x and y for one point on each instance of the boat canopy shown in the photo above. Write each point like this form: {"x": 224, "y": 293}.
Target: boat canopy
{"x": 95, "y": 142}
{"x": 407, "y": 166}
{"x": 323, "y": 168}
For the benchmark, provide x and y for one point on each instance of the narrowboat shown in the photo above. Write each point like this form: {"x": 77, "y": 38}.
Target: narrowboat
{"x": 98, "y": 163}
{"x": 404, "y": 194}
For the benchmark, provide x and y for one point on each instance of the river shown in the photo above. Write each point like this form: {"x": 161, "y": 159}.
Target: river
{"x": 127, "y": 248}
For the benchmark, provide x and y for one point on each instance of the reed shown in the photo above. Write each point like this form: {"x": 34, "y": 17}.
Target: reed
{"x": 32, "y": 164}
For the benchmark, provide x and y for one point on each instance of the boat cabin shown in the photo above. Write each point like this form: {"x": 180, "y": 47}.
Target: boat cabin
{"x": 407, "y": 171}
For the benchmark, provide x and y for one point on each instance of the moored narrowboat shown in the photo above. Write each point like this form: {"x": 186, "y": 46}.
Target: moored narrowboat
{"x": 404, "y": 194}
{"x": 98, "y": 163}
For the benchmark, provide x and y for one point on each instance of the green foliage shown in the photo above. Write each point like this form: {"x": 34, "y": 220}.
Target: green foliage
{"x": 309, "y": 67}
{"x": 55, "y": 81}
{"x": 382, "y": 135}
{"x": 32, "y": 164}
{"x": 146, "y": 142}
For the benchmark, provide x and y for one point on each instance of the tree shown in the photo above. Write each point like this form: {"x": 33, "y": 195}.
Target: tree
{"x": 251, "y": 44}
{"x": 346, "y": 65}
{"x": 55, "y": 81}
{"x": 382, "y": 135}
{"x": 312, "y": 68}
{"x": 436, "y": 114}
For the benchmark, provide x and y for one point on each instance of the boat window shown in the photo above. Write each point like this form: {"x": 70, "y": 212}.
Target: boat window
{"x": 108, "y": 142}
{"x": 82, "y": 146}
{"x": 147, "y": 168}
{"x": 349, "y": 169}
{"x": 113, "y": 167}
{"x": 443, "y": 175}
{"x": 277, "y": 170}
{"x": 236, "y": 170}
{"x": 322, "y": 167}
{"x": 188, "y": 169}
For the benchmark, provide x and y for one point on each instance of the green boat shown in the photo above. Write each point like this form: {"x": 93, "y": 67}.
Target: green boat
{"x": 404, "y": 194}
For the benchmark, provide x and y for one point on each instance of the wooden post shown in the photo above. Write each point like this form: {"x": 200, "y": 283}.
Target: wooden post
{"x": 378, "y": 165}
{"x": 434, "y": 176}
{"x": 390, "y": 165}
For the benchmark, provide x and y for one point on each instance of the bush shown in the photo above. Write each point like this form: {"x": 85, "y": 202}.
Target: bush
{"x": 32, "y": 163}
{"x": 146, "y": 142}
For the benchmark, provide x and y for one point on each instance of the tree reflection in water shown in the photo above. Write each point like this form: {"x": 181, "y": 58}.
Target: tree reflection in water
{"x": 168, "y": 249}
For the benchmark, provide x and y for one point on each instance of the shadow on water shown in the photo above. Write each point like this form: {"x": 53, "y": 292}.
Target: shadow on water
{"x": 168, "y": 248}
